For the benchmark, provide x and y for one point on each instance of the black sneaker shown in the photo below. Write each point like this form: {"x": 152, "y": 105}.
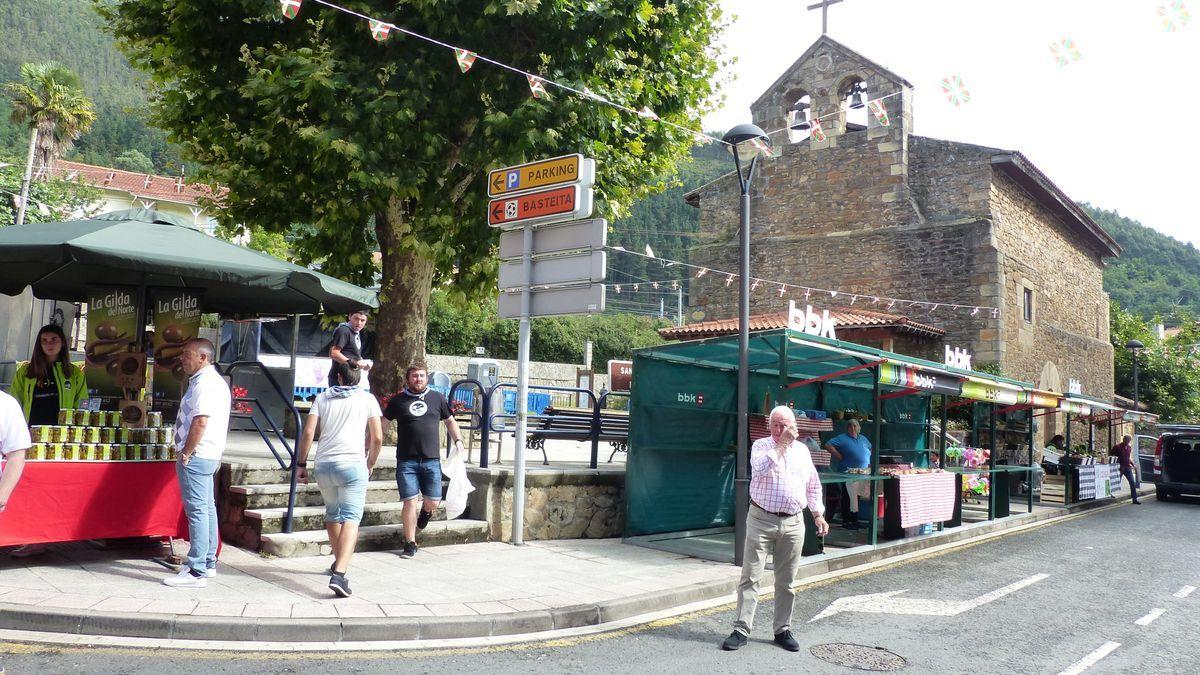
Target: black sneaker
{"x": 784, "y": 639}
{"x": 410, "y": 549}
{"x": 423, "y": 519}
{"x": 735, "y": 641}
{"x": 339, "y": 585}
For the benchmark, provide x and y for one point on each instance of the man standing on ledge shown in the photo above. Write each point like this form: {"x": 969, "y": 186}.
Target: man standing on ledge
{"x": 347, "y": 345}
{"x": 417, "y": 411}
{"x": 200, "y": 430}
{"x": 783, "y": 483}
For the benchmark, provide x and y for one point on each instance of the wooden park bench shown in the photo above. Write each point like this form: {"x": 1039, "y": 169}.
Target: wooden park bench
{"x": 576, "y": 424}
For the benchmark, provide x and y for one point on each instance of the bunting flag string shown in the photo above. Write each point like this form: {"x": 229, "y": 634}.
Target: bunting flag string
{"x": 782, "y": 288}
{"x": 880, "y": 113}
{"x": 815, "y": 131}
{"x": 537, "y": 86}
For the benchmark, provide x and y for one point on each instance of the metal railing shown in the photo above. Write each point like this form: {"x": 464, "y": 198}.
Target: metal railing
{"x": 290, "y": 466}
{"x": 478, "y": 418}
{"x": 592, "y": 434}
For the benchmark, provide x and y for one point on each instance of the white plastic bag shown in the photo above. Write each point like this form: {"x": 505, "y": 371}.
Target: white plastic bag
{"x": 455, "y": 469}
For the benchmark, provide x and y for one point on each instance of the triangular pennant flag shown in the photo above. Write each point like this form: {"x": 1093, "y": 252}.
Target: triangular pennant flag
{"x": 763, "y": 147}
{"x": 465, "y": 59}
{"x": 955, "y": 90}
{"x": 1065, "y": 52}
{"x": 877, "y": 109}
{"x": 649, "y": 251}
{"x": 290, "y": 8}
{"x": 380, "y": 30}
{"x": 1175, "y": 16}
{"x": 647, "y": 113}
{"x": 537, "y": 86}
{"x": 816, "y": 133}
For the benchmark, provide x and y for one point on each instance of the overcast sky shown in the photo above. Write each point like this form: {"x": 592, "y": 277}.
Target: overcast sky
{"x": 1119, "y": 128}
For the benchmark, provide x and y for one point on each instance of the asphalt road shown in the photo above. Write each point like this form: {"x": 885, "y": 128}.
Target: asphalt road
{"x": 1103, "y": 573}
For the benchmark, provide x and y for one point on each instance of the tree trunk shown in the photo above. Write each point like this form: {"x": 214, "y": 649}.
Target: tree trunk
{"x": 403, "y": 318}
{"x": 23, "y": 204}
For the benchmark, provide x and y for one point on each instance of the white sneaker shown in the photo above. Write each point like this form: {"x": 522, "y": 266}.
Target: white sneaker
{"x": 210, "y": 572}
{"x": 184, "y": 579}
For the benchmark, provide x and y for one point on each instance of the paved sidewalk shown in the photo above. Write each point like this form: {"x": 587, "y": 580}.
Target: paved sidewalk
{"x": 448, "y": 591}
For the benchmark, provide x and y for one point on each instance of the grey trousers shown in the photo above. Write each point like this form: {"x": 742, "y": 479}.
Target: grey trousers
{"x": 767, "y": 533}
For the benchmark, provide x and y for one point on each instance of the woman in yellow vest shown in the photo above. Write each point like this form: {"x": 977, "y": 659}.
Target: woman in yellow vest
{"x": 43, "y": 385}
{"x": 48, "y": 381}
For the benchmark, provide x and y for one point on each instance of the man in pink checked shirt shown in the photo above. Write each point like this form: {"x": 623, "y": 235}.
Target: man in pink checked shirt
{"x": 783, "y": 483}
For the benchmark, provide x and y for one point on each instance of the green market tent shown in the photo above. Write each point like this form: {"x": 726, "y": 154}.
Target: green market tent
{"x": 145, "y": 248}
{"x": 682, "y": 440}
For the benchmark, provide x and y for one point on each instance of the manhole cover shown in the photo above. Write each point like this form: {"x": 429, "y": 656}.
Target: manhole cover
{"x": 859, "y": 657}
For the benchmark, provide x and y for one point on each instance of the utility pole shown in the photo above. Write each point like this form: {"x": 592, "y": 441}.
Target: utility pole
{"x": 679, "y": 311}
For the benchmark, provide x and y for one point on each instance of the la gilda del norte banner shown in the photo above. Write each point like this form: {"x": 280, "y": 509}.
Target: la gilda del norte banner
{"x": 176, "y": 320}
{"x": 112, "y": 331}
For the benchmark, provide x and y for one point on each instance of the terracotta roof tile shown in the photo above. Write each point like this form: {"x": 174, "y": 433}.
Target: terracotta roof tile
{"x": 146, "y": 186}
{"x": 846, "y": 319}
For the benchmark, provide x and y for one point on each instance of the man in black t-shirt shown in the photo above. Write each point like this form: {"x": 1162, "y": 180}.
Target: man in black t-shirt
{"x": 418, "y": 411}
{"x": 347, "y": 344}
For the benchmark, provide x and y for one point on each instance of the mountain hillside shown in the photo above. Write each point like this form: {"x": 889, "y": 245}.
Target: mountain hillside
{"x": 70, "y": 32}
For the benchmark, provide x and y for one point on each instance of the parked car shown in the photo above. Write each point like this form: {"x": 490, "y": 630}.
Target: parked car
{"x": 1144, "y": 451}
{"x": 1177, "y": 460}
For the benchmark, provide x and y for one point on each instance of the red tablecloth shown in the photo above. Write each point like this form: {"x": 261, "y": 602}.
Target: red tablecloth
{"x": 71, "y": 501}
{"x": 926, "y": 498}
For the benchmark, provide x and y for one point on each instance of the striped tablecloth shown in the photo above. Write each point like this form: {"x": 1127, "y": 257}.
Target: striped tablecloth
{"x": 926, "y": 498}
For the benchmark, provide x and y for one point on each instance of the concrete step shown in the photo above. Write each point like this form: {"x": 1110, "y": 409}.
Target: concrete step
{"x": 270, "y": 520}
{"x": 376, "y": 538}
{"x": 276, "y": 496}
{"x": 253, "y": 474}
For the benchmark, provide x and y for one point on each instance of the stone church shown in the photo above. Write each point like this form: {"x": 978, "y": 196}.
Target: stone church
{"x": 876, "y": 210}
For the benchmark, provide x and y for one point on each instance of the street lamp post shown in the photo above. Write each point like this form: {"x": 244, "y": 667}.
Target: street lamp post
{"x": 1135, "y": 346}
{"x": 740, "y": 141}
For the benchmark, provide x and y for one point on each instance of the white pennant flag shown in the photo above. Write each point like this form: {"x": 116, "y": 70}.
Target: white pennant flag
{"x": 649, "y": 251}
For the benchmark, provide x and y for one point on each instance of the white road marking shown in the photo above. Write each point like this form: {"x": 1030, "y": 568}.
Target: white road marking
{"x": 1184, "y": 592}
{"x": 888, "y": 603}
{"x": 1091, "y": 659}
{"x": 1149, "y": 618}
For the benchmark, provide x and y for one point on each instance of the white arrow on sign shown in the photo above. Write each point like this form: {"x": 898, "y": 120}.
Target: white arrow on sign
{"x": 889, "y": 603}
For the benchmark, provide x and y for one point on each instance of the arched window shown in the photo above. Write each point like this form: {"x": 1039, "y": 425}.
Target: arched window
{"x": 854, "y": 98}
{"x": 798, "y": 118}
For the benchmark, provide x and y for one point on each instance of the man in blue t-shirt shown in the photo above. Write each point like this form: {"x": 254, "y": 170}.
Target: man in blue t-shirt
{"x": 852, "y": 450}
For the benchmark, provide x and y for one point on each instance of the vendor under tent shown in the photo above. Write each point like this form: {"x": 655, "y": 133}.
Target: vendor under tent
{"x": 145, "y": 254}
{"x": 1091, "y": 475}
{"x": 680, "y": 470}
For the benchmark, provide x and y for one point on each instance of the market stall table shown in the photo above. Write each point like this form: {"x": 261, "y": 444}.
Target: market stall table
{"x": 911, "y": 500}
{"x": 78, "y": 500}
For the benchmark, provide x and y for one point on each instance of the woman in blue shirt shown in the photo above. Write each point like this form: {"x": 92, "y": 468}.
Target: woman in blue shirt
{"x": 852, "y": 450}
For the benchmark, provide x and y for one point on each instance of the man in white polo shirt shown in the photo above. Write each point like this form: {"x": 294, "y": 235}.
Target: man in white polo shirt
{"x": 14, "y": 441}
{"x": 200, "y": 430}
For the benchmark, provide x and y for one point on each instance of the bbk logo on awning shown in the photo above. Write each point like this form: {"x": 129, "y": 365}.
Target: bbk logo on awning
{"x": 698, "y": 399}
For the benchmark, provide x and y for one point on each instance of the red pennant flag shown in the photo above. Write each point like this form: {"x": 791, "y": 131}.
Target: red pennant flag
{"x": 537, "y": 86}
{"x": 290, "y": 8}
{"x": 465, "y": 59}
{"x": 877, "y": 109}
{"x": 380, "y": 30}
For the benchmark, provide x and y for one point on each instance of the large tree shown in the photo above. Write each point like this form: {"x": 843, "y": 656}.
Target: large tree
{"x": 387, "y": 144}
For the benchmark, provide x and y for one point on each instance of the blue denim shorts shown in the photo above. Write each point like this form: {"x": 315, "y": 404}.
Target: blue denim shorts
{"x": 344, "y": 489}
{"x": 423, "y": 476}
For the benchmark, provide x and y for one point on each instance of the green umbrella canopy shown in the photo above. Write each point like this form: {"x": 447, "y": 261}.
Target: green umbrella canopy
{"x": 142, "y": 247}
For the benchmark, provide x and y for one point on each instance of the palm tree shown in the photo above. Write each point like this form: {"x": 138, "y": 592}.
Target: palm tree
{"x": 50, "y": 99}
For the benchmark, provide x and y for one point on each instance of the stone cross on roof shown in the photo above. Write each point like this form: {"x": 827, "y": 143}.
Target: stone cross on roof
{"x": 823, "y": 5}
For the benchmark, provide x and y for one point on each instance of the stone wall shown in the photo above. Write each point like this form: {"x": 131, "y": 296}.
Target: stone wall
{"x": 1070, "y": 319}
{"x": 562, "y": 504}
{"x": 552, "y": 374}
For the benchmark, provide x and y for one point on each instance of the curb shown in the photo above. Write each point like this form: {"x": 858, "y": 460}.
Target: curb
{"x": 330, "y": 630}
